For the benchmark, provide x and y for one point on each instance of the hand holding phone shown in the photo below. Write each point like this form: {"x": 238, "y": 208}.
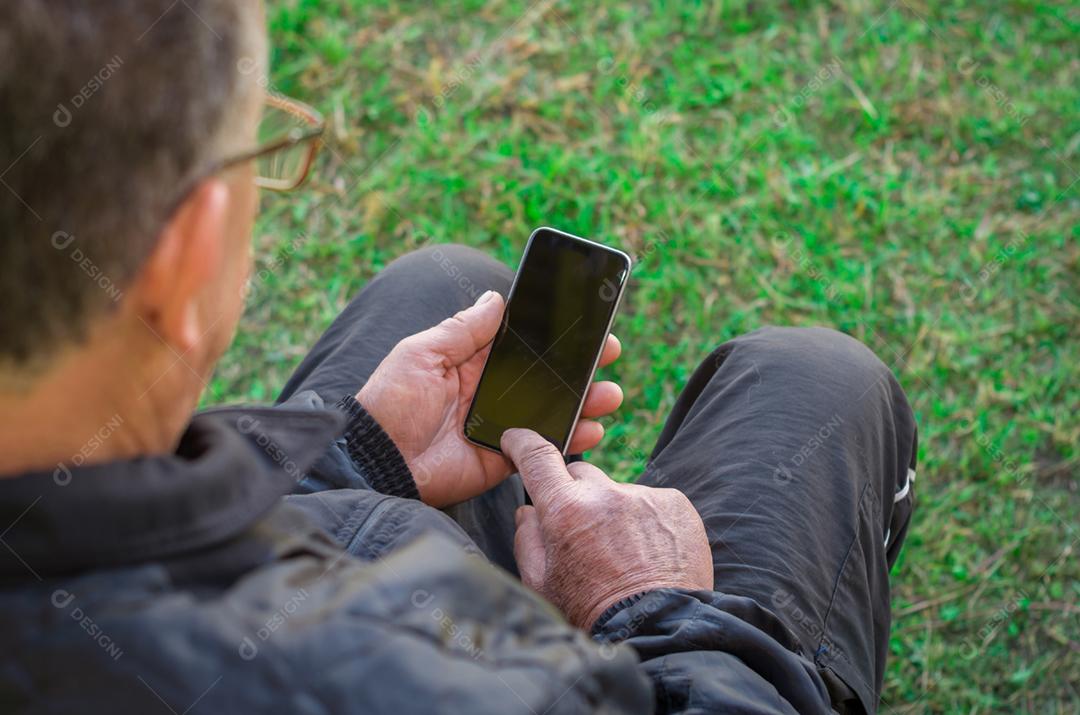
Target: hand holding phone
{"x": 421, "y": 392}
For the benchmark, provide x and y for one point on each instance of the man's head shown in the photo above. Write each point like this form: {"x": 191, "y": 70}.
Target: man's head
{"x": 121, "y": 243}
{"x": 112, "y": 110}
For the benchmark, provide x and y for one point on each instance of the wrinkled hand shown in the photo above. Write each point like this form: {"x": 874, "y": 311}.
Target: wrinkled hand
{"x": 589, "y": 541}
{"x": 421, "y": 392}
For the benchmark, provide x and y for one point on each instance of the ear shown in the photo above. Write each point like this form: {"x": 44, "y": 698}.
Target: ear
{"x": 185, "y": 261}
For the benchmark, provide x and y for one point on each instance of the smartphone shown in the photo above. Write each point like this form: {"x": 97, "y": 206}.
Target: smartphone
{"x": 556, "y": 322}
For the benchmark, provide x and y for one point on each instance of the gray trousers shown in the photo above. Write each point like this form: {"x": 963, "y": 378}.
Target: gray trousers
{"x": 796, "y": 445}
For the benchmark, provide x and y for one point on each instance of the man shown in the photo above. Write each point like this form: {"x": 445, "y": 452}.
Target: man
{"x": 347, "y": 550}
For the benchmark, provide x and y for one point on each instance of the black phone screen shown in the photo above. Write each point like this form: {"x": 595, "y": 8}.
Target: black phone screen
{"x": 557, "y": 318}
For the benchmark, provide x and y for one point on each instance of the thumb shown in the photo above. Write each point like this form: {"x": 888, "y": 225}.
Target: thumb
{"x": 529, "y": 548}
{"x": 463, "y": 334}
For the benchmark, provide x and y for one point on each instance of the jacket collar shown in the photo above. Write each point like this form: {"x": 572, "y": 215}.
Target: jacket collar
{"x": 230, "y": 468}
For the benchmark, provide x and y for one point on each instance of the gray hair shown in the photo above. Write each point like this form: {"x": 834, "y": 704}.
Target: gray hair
{"x": 111, "y": 108}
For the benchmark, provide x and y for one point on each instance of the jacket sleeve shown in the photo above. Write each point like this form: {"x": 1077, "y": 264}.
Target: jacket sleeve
{"x": 709, "y": 651}
{"x": 429, "y": 628}
{"x": 364, "y": 457}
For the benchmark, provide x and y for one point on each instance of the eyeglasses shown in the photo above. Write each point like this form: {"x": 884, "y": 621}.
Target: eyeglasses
{"x": 288, "y": 140}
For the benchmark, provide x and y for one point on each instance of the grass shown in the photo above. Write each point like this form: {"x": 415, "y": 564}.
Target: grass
{"x": 904, "y": 172}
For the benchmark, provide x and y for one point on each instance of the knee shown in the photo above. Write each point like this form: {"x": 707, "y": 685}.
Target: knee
{"x": 813, "y": 356}
{"x": 809, "y": 381}
{"x": 462, "y": 269}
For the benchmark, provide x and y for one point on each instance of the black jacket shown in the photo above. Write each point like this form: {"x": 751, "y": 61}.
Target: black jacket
{"x": 188, "y": 583}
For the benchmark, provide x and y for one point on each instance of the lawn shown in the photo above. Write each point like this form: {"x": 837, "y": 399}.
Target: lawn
{"x": 905, "y": 172}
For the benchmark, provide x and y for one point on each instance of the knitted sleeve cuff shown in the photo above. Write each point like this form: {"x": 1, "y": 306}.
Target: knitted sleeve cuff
{"x": 375, "y": 453}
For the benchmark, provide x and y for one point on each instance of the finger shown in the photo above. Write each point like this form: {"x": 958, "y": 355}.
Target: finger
{"x": 587, "y": 435}
{"x": 612, "y": 350}
{"x": 585, "y": 472}
{"x": 541, "y": 466}
{"x": 603, "y": 398}
{"x": 465, "y": 333}
{"x": 529, "y": 547}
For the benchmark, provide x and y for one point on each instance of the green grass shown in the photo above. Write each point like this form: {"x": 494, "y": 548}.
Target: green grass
{"x": 920, "y": 195}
